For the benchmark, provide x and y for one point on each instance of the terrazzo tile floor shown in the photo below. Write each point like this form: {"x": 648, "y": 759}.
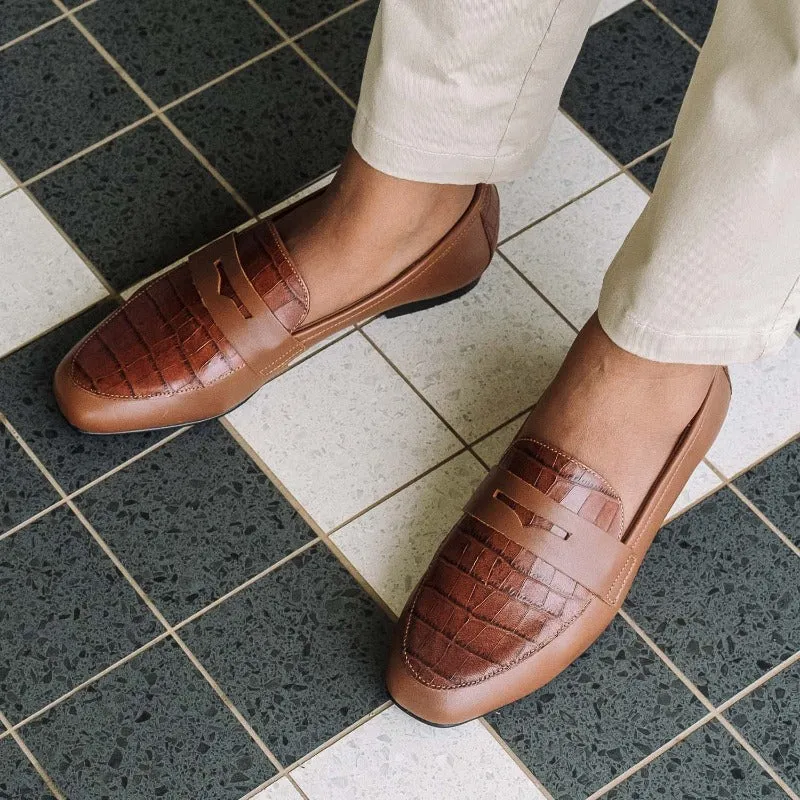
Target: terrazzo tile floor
{"x": 204, "y": 613}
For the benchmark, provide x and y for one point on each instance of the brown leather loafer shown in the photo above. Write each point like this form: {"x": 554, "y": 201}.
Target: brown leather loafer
{"x": 198, "y": 341}
{"x": 530, "y": 576}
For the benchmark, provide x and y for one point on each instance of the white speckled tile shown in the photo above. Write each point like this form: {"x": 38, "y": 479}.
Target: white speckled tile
{"x": 6, "y": 181}
{"x": 43, "y": 279}
{"x": 701, "y": 482}
{"x": 607, "y": 8}
{"x": 483, "y": 358}
{"x": 493, "y": 446}
{"x": 566, "y": 255}
{"x": 570, "y": 164}
{"x": 395, "y": 757}
{"x": 280, "y": 790}
{"x": 765, "y": 410}
{"x": 392, "y": 544}
{"x": 342, "y": 430}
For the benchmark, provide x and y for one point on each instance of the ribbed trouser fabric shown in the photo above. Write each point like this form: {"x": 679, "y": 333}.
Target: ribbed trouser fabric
{"x": 465, "y": 91}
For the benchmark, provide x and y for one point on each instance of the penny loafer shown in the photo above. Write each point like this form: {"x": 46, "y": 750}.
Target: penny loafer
{"x": 532, "y": 573}
{"x": 198, "y": 341}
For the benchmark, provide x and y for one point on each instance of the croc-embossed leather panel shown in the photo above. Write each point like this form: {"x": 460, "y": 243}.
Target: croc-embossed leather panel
{"x": 164, "y": 340}
{"x": 486, "y": 602}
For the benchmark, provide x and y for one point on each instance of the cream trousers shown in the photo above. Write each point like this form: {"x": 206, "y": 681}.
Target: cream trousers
{"x": 465, "y": 91}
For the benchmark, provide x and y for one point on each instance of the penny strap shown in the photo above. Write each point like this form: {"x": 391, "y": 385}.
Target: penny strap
{"x": 575, "y": 546}
{"x": 259, "y": 337}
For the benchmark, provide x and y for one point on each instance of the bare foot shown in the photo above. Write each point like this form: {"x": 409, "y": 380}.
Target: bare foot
{"x": 365, "y": 229}
{"x": 619, "y": 414}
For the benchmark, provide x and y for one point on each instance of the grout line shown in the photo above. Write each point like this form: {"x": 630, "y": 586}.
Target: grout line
{"x": 664, "y": 18}
{"x": 47, "y": 24}
{"x": 756, "y": 756}
{"x": 224, "y": 76}
{"x": 539, "y": 292}
{"x": 416, "y": 391}
{"x": 760, "y": 459}
{"x": 37, "y": 516}
{"x": 709, "y": 706}
{"x": 525, "y": 228}
{"x": 759, "y": 682}
{"x": 48, "y": 781}
{"x": 336, "y": 528}
{"x": 648, "y": 759}
{"x": 246, "y": 584}
{"x": 713, "y": 712}
{"x": 132, "y": 460}
{"x": 35, "y": 338}
{"x": 89, "y": 681}
{"x": 621, "y": 170}
{"x": 145, "y": 98}
{"x": 78, "y": 252}
{"x": 291, "y": 41}
{"x": 226, "y": 700}
{"x": 515, "y": 758}
{"x": 337, "y": 737}
{"x": 763, "y": 517}
{"x": 33, "y": 457}
{"x": 171, "y": 631}
{"x": 156, "y": 111}
{"x": 86, "y": 150}
{"x": 312, "y": 523}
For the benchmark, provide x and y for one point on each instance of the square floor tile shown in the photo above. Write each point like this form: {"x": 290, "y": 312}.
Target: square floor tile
{"x": 570, "y": 164}
{"x": 629, "y": 80}
{"x": 393, "y": 544}
{"x": 57, "y": 96}
{"x": 648, "y": 169}
{"x": 171, "y": 48}
{"x": 691, "y": 16}
{"x": 295, "y": 17}
{"x": 701, "y": 482}
{"x": 66, "y": 613}
{"x": 396, "y": 757}
{"x": 764, "y": 411}
{"x": 25, "y": 490}
{"x": 718, "y": 593}
{"x": 483, "y": 358}
{"x": 301, "y": 652}
{"x": 340, "y": 47}
{"x": 138, "y": 203}
{"x": 194, "y": 519}
{"x": 44, "y": 281}
{"x": 708, "y": 764}
{"x": 269, "y": 129}
{"x": 616, "y": 704}
{"x": 26, "y": 398}
{"x": 21, "y": 16}
{"x": 769, "y": 718}
{"x": 566, "y": 255}
{"x": 152, "y": 728}
{"x": 342, "y": 430}
{"x": 18, "y": 779}
{"x": 774, "y": 486}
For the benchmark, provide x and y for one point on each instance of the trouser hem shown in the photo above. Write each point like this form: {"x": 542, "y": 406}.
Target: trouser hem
{"x": 410, "y": 163}
{"x": 731, "y": 347}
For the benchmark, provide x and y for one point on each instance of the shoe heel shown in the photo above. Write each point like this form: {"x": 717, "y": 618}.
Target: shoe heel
{"x": 421, "y": 305}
